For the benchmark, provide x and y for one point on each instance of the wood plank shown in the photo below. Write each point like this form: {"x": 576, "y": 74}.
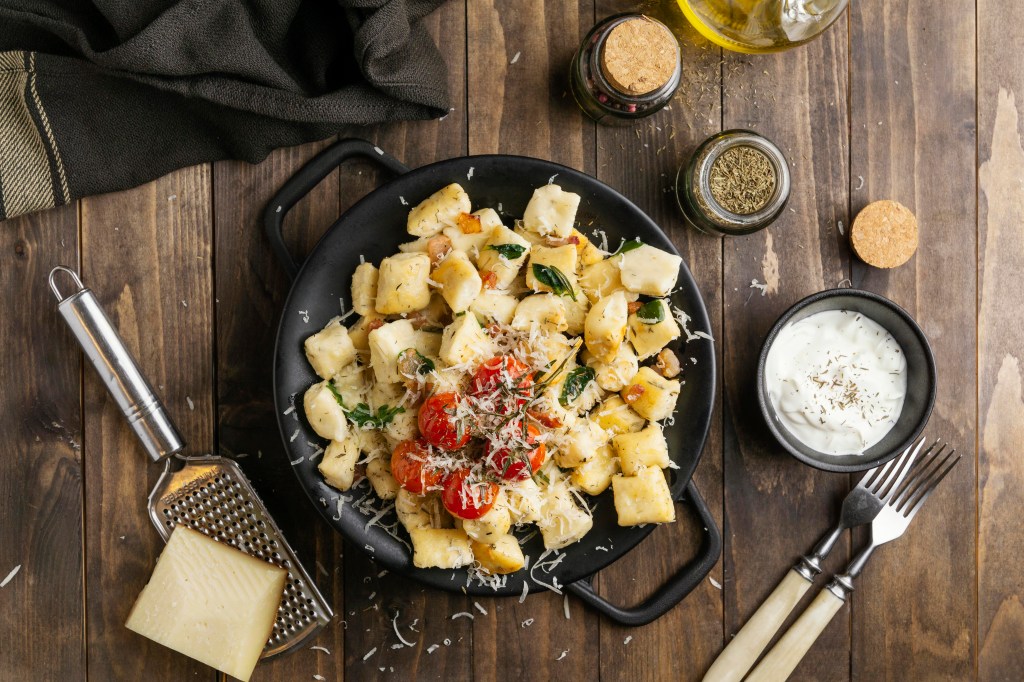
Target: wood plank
{"x": 146, "y": 254}
{"x": 1000, "y": 407}
{"x": 250, "y": 290}
{"x": 912, "y": 100}
{"x": 42, "y": 634}
{"x": 641, "y": 161}
{"x": 776, "y": 507}
{"x": 520, "y": 103}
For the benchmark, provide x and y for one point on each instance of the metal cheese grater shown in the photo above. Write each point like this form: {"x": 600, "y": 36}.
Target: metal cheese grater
{"x": 209, "y": 494}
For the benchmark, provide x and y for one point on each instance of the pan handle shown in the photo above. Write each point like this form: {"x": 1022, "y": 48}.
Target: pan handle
{"x": 677, "y": 587}
{"x": 308, "y": 177}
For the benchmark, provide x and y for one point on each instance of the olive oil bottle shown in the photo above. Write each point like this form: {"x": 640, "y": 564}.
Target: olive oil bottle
{"x": 761, "y": 25}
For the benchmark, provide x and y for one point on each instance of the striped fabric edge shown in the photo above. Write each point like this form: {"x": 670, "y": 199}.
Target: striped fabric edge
{"x": 32, "y": 173}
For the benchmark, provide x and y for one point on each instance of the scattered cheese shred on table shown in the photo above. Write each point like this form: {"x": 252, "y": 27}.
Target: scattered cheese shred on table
{"x": 628, "y": 639}
{"x": 463, "y": 614}
{"x": 479, "y": 608}
{"x": 321, "y": 648}
{"x": 714, "y": 582}
{"x": 562, "y": 655}
{"x": 319, "y": 677}
{"x": 10, "y": 576}
{"x": 432, "y": 648}
{"x": 369, "y": 653}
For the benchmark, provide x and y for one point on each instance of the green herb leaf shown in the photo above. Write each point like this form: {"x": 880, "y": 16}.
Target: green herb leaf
{"x": 575, "y": 383}
{"x": 508, "y": 251}
{"x": 554, "y": 279}
{"x": 362, "y": 416}
{"x": 629, "y": 246}
{"x": 651, "y": 312}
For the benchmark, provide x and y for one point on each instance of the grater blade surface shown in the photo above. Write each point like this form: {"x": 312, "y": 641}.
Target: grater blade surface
{"x": 213, "y": 496}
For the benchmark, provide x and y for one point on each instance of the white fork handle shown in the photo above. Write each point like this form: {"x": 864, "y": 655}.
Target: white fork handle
{"x": 734, "y": 662}
{"x": 782, "y": 660}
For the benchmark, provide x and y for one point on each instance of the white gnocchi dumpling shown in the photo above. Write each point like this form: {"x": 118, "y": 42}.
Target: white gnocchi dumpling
{"x": 403, "y": 284}
{"x": 441, "y": 209}
{"x": 551, "y": 211}
{"x": 330, "y": 349}
{"x": 649, "y": 271}
{"x": 324, "y": 413}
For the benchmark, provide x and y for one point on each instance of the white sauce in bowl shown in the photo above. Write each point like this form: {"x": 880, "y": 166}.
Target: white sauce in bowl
{"x": 837, "y": 380}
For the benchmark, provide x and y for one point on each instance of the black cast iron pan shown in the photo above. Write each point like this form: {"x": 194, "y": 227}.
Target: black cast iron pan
{"x": 373, "y": 228}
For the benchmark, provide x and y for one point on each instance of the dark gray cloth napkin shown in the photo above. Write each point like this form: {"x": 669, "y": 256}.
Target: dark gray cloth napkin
{"x": 100, "y": 95}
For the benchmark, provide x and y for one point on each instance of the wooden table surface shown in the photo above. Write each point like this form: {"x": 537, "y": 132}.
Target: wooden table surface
{"x": 908, "y": 100}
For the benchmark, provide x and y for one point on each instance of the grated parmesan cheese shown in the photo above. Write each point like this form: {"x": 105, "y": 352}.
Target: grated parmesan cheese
{"x": 10, "y": 576}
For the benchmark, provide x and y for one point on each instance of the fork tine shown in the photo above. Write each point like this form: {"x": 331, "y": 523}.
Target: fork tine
{"x": 926, "y": 466}
{"x": 875, "y": 478}
{"x": 947, "y": 465}
{"x": 905, "y": 463}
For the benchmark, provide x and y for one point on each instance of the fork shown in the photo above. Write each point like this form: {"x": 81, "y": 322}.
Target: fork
{"x": 861, "y": 505}
{"x": 901, "y": 505}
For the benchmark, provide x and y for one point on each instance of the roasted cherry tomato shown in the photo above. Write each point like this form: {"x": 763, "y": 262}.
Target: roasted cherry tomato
{"x": 517, "y": 464}
{"x": 408, "y": 467}
{"x": 467, "y": 499}
{"x": 438, "y": 423}
{"x": 501, "y": 370}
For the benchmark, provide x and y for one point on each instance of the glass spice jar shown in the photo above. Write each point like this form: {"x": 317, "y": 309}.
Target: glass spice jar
{"x": 627, "y": 67}
{"x": 737, "y": 182}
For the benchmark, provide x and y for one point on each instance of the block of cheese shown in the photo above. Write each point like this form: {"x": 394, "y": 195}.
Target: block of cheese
{"x": 211, "y": 602}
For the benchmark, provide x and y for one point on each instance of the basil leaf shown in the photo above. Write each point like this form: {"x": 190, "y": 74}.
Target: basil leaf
{"x": 334, "y": 391}
{"x": 508, "y": 251}
{"x": 629, "y": 246}
{"x": 575, "y": 383}
{"x": 554, "y": 279}
{"x": 651, "y": 312}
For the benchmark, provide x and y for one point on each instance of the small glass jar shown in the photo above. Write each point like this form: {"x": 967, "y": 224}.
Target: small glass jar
{"x": 627, "y": 67}
{"x": 704, "y": 210}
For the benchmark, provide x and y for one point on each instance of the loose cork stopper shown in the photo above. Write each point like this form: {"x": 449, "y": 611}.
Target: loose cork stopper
{"x": 639, "y": 56}
{"x": 884, "y": 234}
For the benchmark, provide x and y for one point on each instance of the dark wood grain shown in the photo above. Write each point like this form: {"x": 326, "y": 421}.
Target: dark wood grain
{"x": 519, "y": 103}
{"x": 775, "y": 506}
{"x": 250, "y": 290}
{"x": 641, "y": 161}
{"x": 912, "y": 99}
{"x": 40, "y": 456}
{"x": 146, "y": 253}
{"x": 1000, "y": 406}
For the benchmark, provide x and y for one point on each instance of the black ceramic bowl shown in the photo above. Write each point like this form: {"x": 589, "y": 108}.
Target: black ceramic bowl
{"x": 921, "y": 378}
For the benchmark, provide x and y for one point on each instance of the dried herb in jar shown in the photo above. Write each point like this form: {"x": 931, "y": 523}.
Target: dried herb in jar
{"x": 742, "y": 180}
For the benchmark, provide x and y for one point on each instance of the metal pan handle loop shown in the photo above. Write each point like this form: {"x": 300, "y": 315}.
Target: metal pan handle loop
{"x": 308, "y": 177}
{"x": 676, "y": 588}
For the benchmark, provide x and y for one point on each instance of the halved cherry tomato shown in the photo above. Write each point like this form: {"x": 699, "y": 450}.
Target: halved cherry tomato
{"x": 548, "y": 420}
{"x": 438, "y": 423}
{"x": 501, "y": 370}
{"x": 408, "y": 467}
{"x": 465, "y": 498}
{"x": 517, "y": 464}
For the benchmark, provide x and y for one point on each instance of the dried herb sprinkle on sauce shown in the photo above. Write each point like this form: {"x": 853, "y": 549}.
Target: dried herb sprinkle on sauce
{"x": 742, "y": 180}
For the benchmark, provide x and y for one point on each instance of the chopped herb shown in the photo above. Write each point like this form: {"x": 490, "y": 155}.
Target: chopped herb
{"x": 629, "y": 246}
{"x": 424, "y": 365}
{"x": 554, "y": 279}
{"x": 651, "y": 312}
{"x": 575, "y": 383}
{"x": 362, "y": 415}
{"x": 508, "y": 251}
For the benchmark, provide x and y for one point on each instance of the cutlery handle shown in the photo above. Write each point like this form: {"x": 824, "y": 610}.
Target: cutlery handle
{"x": 737, "y": 658}
{"x": 782, "y": 660}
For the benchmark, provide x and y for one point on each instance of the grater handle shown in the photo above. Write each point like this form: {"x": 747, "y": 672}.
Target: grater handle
{"x": 117, "y": 368}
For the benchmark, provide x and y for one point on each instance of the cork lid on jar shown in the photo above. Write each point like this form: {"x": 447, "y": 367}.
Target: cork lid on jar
{"x": 639, "y": 56}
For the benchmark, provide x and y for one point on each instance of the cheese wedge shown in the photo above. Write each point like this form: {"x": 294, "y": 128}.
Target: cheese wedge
{"x": 211, "y": 602}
